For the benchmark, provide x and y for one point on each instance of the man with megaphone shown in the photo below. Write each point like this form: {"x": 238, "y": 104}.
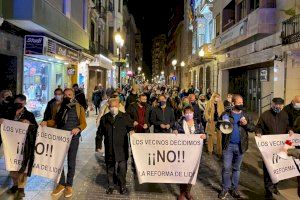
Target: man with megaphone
{"x": 235, "y": 124}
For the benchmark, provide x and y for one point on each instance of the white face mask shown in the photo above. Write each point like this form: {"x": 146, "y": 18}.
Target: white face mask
{"x": 297, "y": 106}
{"x": 114, "y": 110}
{"x": 58, "y": 97}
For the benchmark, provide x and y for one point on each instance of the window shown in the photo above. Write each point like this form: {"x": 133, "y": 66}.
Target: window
{"x": 241, "y": 10}
{"x": 268, "y": 4}
{"x": 92, "y": 32}
{"x": 218, "y": 24}
{"x": 67, "y": 8}
{"x": 119, "y": 6}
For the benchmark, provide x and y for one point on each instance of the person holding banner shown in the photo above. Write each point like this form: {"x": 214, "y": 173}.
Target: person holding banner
{"x": 162, "y": 117}
{"x": 114, "y": 126}
{"x": 70, "y": 117}
{"x": 188, "y": 125}
{"x": 272, "y": 122}
{"x": 21, "y": 114}
{"x": 234, "y": 145}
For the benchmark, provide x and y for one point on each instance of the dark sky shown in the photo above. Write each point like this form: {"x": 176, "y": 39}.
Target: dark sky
{"x": 151, "y": 17}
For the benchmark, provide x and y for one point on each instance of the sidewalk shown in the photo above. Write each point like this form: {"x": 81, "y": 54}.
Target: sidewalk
{"x": 90, "y": 178}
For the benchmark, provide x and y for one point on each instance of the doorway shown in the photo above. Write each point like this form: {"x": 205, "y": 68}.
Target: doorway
{"x": 8, "y": 75}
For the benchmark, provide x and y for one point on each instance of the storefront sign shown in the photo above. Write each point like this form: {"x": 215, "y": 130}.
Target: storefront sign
{"x": 66, "y": 52}
{"x": 233, "y": 33}
{"x": 34, "y": 45}
{"x": 263, "y": 75}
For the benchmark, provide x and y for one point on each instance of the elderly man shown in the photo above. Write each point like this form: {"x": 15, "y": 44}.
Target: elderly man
{"x": 70, "y": 117}
{"x": 271, "y": 122}
{"x": 114, "y": 126}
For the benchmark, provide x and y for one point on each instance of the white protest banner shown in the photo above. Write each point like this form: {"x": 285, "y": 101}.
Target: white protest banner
{"x": 51, "y": 147}
{"x": 278, "y": 168}
{"x": 166, "y": 158}
{"x": 13, "y": 135}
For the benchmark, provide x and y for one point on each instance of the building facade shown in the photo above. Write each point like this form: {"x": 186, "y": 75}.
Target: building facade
{"x": 53, "y": 34}
{"x": 159, "y": 57}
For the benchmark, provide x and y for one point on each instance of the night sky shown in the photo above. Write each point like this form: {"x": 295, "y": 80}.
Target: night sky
{"x": 151, "y": 17}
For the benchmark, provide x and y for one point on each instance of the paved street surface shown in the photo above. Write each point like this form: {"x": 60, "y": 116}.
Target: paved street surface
{"x": 90, "y": 180}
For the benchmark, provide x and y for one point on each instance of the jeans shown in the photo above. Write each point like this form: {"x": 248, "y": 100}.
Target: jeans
{"x": 269, "y": 186}
{"x": 232, "y": 160}
{"x": 72, "y": 153}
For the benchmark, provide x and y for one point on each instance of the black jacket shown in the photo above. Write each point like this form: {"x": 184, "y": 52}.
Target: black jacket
{"x": 159, "y": 116}
{"x": 271, "y": 123}
{"x": 293, "y": 114}
{"x": 132, "y": 98}
{"x": 115, "y": 132}
{"x": 29, "y": 146}
{"x": 80, "y": 97}
{"x": 244, "y": 131}
{"x": 133, "y": 113}
{"x": 48, "y": 111}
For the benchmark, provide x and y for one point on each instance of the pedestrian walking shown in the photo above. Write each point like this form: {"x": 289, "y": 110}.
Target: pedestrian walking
{"x": 20, "y": 113}
{"x": 188, "y": 125}
{"x": 234, "y": 146}
{"x": 114, "y": 127}
{"x": 79, "y": 96}
{"x": 214, "y": 109}
{"x": 162, "y": 117}
{"x": 97, "y": 98}
{"x": 271, "y": 122}
{"x": 140, "y": 113}
{"x": 70, "y": 117}
{"x": 53, "y": 105}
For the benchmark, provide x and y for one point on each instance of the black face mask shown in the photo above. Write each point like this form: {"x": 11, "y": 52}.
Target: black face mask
{"x": 143, "y": 103}
{"x": 18, "y": 106}
{"x": 239, "y": 107}
{"x": 67, "y": 99}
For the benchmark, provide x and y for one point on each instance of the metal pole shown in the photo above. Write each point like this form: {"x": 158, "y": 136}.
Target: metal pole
{"x": 119, "y": 68}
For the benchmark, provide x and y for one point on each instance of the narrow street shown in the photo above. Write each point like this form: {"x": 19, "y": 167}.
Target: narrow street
{"x": 90, "y": 178}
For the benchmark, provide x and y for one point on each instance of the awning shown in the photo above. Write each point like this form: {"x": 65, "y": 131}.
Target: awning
{"x": 102, "y": 61}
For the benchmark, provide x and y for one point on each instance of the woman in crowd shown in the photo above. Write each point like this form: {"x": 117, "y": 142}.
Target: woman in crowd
{"x": 187, "y": 125}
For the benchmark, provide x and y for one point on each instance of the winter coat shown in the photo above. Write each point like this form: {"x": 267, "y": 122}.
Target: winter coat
{"x": 244, "y": 131}
{"x": 209, "y": 115}
{"x": 105, "y": 109}
{"x": 133, "y": 113}
{"x": 293, "y": 114}
{"x": 271, "y": 123}
{"x": 80, "y": 97}
{"x": 51, "y": 110}
{"x": 159, "y": 116}
{"x": 97, "y": 98}
{"x": 115, "y": 132}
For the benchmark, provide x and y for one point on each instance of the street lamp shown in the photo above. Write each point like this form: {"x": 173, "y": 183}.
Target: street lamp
{"x": 139, "y": 69}
{"x": 162, "y": 73}
{"x": 174, "y": 62}
{"x": 120, "y": 42}
{"x": 182, "y": 64}
{"x": 201, "y": 53}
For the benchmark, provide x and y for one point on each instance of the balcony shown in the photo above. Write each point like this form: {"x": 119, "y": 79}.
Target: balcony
{"x": 40, "y": 16}
{"x": 291, "y": 30}
{"x": 259, "y": 24}
{"x": 95, "y": 48}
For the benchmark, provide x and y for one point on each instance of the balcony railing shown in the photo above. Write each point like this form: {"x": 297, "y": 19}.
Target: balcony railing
{"x": 291, "y": 30}
{"x": 95, "y": 48}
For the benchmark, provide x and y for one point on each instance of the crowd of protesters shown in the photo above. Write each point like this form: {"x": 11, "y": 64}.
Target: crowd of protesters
{"x": 153, "y": 108}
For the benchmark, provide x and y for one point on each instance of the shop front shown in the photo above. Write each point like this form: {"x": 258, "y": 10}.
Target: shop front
{"x": 47, "y": 65}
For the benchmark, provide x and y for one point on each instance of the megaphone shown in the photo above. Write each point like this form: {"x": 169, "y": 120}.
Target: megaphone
{"x": 226, "y": 126}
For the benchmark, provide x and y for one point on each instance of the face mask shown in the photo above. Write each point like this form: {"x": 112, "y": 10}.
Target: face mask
{"x": 276, "y": 110}
{"x": 193, "y": 103}
{"x": 189, "y": 116}
{"x": 297, "y": 106}
{"x": 202, "y": 100}
{"x": 239, "y": 107}
{"x": 67, "y": 99}
{"x": 114, "y": 110}
{"x": 18, "y": 105}
{"x": 185, "y": 104}
{"x": 58, "y": 97}
{"x": 162, "y": 103}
